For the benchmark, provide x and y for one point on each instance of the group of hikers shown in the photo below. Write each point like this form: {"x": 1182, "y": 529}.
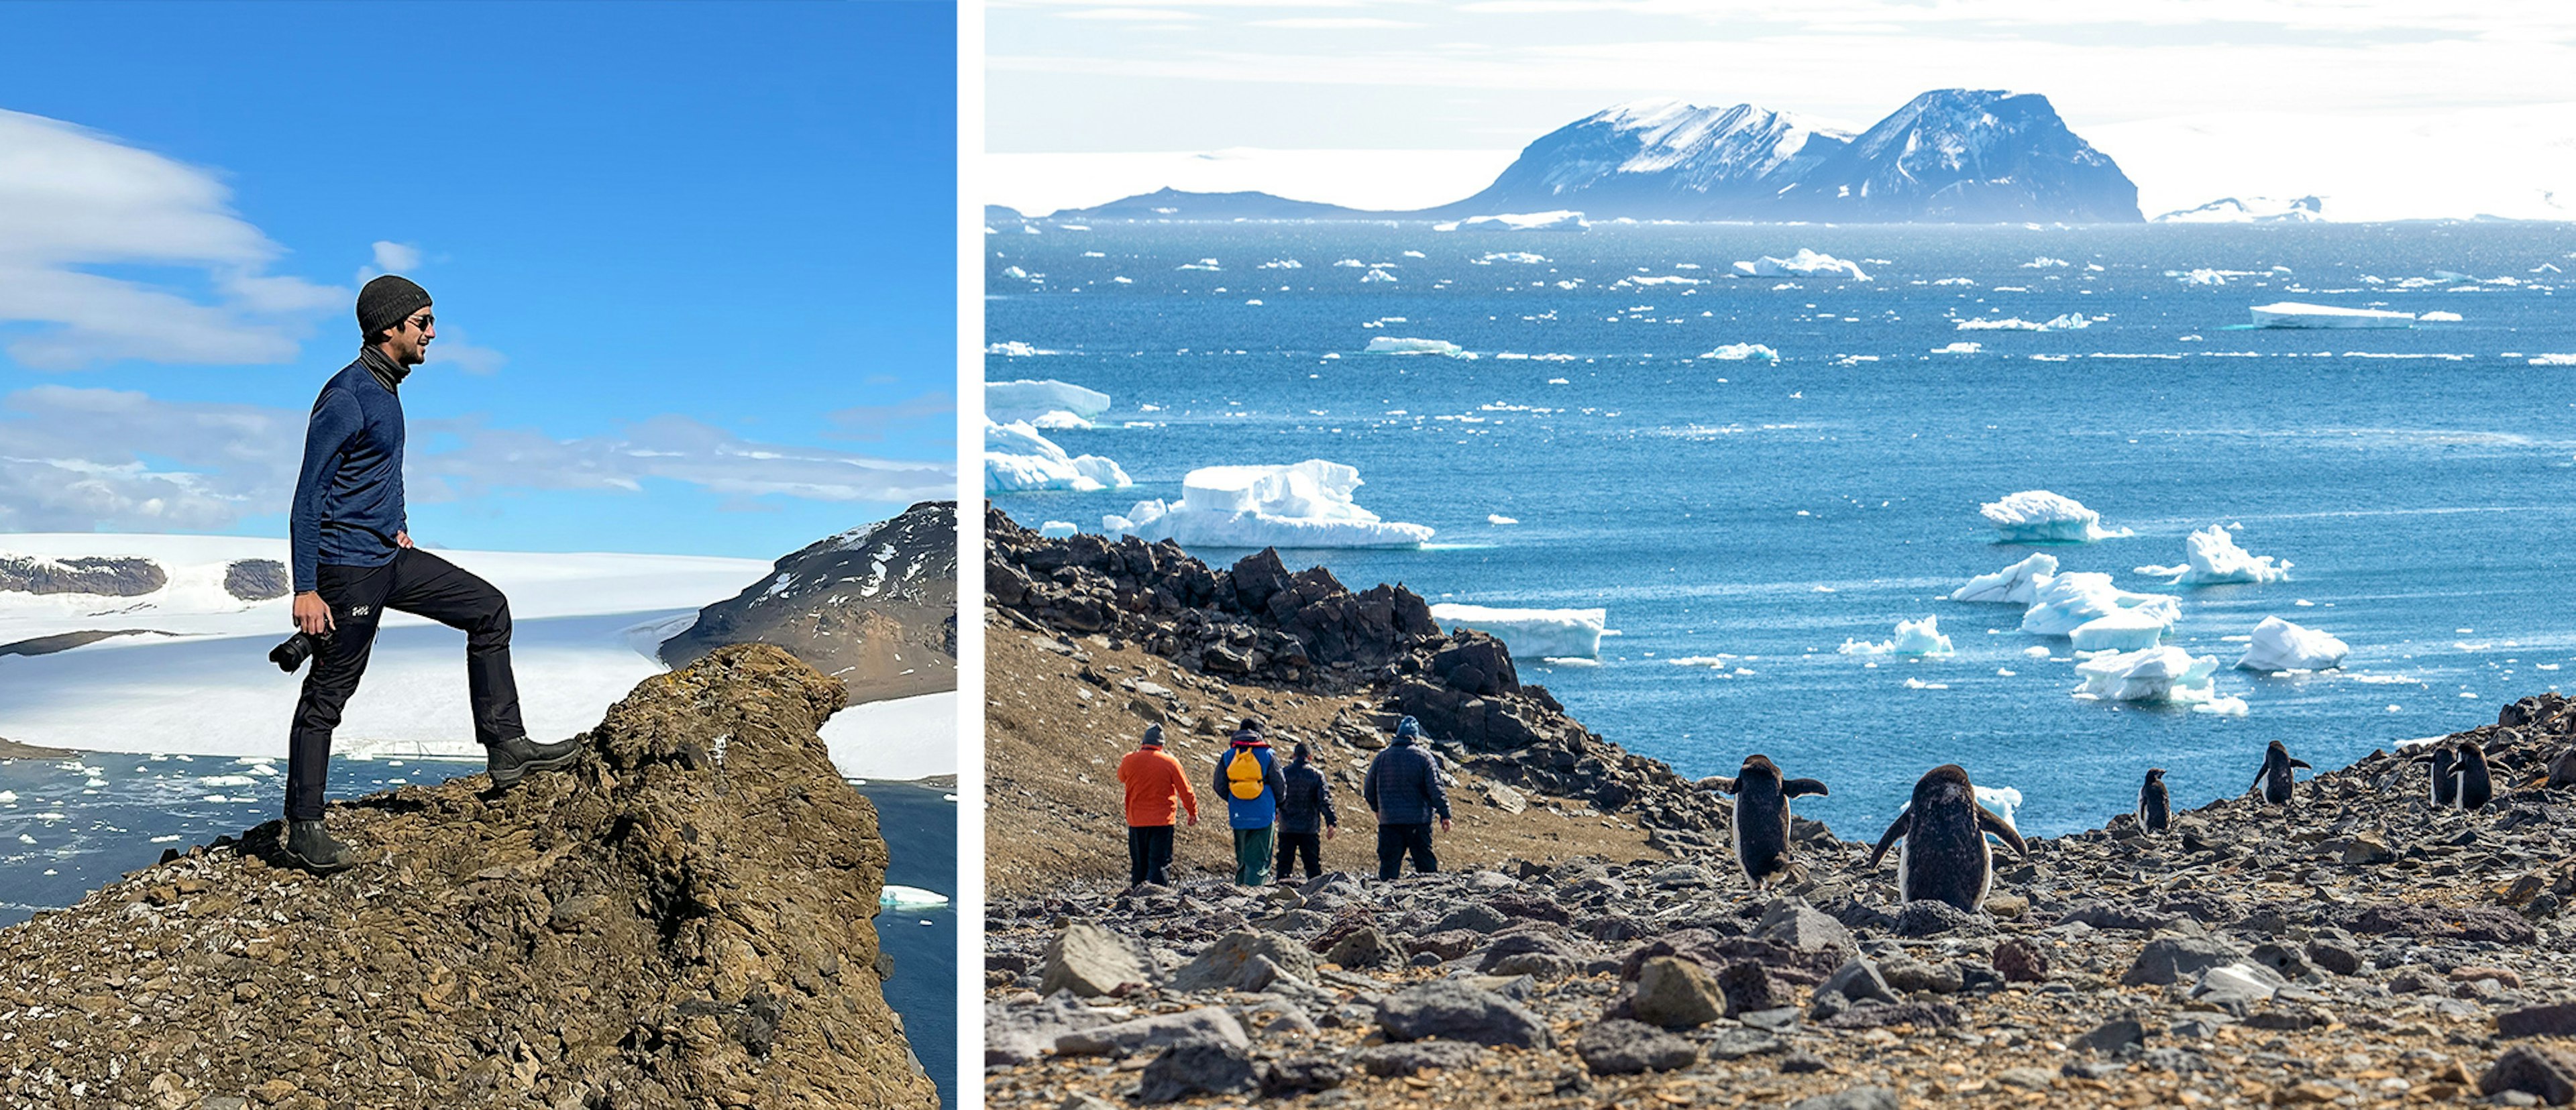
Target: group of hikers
{"x": 1286, "y": 811}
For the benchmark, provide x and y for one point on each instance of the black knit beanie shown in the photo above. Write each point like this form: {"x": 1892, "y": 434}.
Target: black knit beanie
{"x": 385, "y": 302}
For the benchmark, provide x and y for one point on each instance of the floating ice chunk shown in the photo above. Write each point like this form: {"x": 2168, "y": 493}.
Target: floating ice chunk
{"x": 2017, "y": 584}
{"x": 1559, "y": 220}
{"x": 910, "y": 898}
{"x": 2216, "y": 560}
{"x": 1523, "y": 257}
{"x": 1013, "y": 348}
{"x": 2160, "y": 674}
{"x": 1959, "y": 349}
{"x": 2293, "y": 314}
{"x": 2120, "y": 630}
{"x": 1498, "y": 518}
{"x": 1921, "y": 637}
{"x": 1403, "y": 345}
{"x": 2038, "y": 516}
{"x": 2553, "y": 360}
{"x": 2067, "y": 322}
{"x": 2230, "y": 706}
{"x": 1017, "y": 458}
{"x": 1201, "y": 264}
{"x": 1057, "y": 529}
{"x": 1305, "y": 505}
{"x": 2068, "y": 601}
{"x": 2439, "y": 318}
{"x": 2043, "y": 263}
{"x": 1350, "y": 263}
{"x": 1999, "y": 800}
{"x": 1805, "y": 263}
{"x": 1919, "y": 684}
{"x": 1045, "y": 403}
{"x": 1283, "y": 264}
{"x": 1739, "y": 352}
{"x": 2279, "y": 645}
{"x": 1533, "y": 633}
{"x": 1376, "y": 274}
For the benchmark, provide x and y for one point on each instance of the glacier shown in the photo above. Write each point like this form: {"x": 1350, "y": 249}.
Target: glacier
{"x": 2294, "y": 314}
{"x": 1045, "y": 403}
{"x": 2279, "y": 645}
{"x": 1805, "y": 263}
{"x": 1304, "y": 505}
{"x": 2038, "y": 516}
{"x": 1921, "y": 637}
{"x": 1532, "y": 633}
{"x": 2066, "y": 602}
{"x": 2018, "y": 584}
{"x": 2162, "y": 674}
{"x": 1017, "y": 458}
{"x": 2214, "y": 559}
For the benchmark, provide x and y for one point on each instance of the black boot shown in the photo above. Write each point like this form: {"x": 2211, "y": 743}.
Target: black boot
{"x": 511, "y": 759}
{"x": 311, "y": 847}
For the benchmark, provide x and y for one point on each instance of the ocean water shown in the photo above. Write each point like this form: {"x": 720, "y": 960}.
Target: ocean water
{"x": 70, "y": 826}
{"x": 1741, "y": 519}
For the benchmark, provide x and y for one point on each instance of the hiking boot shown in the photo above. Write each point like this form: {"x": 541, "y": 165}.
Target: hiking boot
{"x": 311, "y": 848}
{"x": 512, "y": 759}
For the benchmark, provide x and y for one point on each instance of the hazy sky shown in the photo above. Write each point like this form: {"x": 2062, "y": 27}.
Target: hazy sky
{"x": 693, "y": 264}
{"x": 1164, "y": 75}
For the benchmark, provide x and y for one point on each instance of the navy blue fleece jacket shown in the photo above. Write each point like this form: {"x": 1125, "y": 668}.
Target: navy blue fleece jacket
{"x": 349, "y": 493}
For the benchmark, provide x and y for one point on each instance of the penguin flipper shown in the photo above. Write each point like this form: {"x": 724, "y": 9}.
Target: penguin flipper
{"x": 1801, "y": 787}
{"x": 2002, "y": 830}
{"x": 2303, "y": 763}
{"x": 1894, "y": 833}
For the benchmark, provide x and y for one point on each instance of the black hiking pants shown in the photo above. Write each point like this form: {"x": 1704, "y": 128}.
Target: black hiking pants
{"x": 1394, "y": 841}
{"x": 1297, "y": 846}
{"x": 1149, "y": 854}
{"x": 415, "y": 582}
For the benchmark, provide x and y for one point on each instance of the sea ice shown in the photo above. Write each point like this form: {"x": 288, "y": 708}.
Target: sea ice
{"x": 1017, "y": 458}
{"x": 2160, "y": 674}
{"x": 2216, "y": 560}
{"x": 1305, "y": 505}
{"x": 2068, "y": 601}
{"x": 2120, "y": 630}
{"x": 1805, "y": 263}
{"x": 2017, "y": 584}
{"x": 2293, "y": 314}
{"x": 1045, "y": 403}
{"x": 1559, "y": 220}
{"x": 2279, "y": 645}
{"x": 1921, "y": 637}
{"x": 1738, "y": 352}
{"x": 2038, "y": 516}
{"x": 1532, "y": 633}
{"x": 1402, "y": 345}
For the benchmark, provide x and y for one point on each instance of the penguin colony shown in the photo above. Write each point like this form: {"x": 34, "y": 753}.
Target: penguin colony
{"x": 1948, "y": 838}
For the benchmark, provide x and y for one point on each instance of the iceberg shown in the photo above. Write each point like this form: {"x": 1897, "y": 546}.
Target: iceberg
{"x": 2120, "y": 630}
{"x": 1044, "y": 404}
{"x": 2162, "y": 674}
{"x": 2068, "y": 322}
{"x": 896, "y": 897}
{"x": 2279, "y": 645}
{"x": 2038, "y": 516}
{"x": 1532, "y": 633}
{"x": 1921, "y": 637}
{"x": 1304, "y": 505}
{"x": 1401, "y": 345}
{"x": 2018, "y": 584}
{"x": 2293, "y": 314}
{"x": 1017, "y": 458}
{"x": 1738, "y": 352}
{"x": 1998, "y": 800}
{"x": 1805, "y": 263}
{"x": 2216, "y": 560}
{"x": 1057, "y": 529}
{"x": 2069, "y": 601}
{"x": 1559, "y": 220}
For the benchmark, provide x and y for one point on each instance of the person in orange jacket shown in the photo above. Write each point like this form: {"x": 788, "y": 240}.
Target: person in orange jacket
{"x": 1156, "y": 787}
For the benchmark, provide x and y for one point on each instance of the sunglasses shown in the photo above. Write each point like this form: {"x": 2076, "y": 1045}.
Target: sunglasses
{"x": 422, "y": 322}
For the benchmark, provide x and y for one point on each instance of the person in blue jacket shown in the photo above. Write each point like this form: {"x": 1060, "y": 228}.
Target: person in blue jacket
{"x": 1247, "y": 777}
{"x": 1403, "y": 789}
{"x": 350, "y": 542}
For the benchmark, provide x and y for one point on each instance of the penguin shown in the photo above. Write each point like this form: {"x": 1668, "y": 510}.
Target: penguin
{"x": 1762, "y": 818}
{"x": 2274, "y": 778}
{"x": 2155, "y": 806}
{"x": 2472, "y": 782}
{"x": 1946, "y": 856}
{"x": 2444, "y": 790}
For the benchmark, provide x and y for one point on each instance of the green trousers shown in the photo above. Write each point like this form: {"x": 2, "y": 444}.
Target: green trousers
{"x": 1252, "y": 848}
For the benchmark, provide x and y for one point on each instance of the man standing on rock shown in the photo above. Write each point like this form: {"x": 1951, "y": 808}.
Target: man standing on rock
{"x": 1306, "y": 817}
{"x": 1247, "y": 777}
{"x": 1156, "y": 786}
{"x": 354, "y": 559}
{"x": 1403, "y": 789}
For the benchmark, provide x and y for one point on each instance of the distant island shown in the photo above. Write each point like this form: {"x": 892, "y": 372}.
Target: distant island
{"x": 1947, "y": 156}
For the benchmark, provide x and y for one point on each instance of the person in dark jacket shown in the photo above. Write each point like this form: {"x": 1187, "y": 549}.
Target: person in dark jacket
{"x": 350, "y": 542}
{"x": 1247, "y": 777}
{"x": 1403, "y": 789}
{"x": 1306, "y": 817}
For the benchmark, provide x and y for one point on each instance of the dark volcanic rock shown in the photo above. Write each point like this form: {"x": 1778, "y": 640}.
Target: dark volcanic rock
{"x": 1199, "y": 1067}
{"x": 875, "y": 607}
{"x": 2168, "y": 960}
{"x": 2536, "y": 1070}
{"x": 1406, "y": 1058}
{"x": 107, "y": 577}
{"x": 1458, "y": 1012}
{"x": 256, "y": 579}
{"x": 1617, "y": 1047}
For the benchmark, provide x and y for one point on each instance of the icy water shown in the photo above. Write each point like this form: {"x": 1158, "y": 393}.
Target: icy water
{"x": 70, "y": 826}
{"x": 1741, "y": 519}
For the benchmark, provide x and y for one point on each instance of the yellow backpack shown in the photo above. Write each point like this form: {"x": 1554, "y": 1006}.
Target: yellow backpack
{"x": 1243, "y": 774}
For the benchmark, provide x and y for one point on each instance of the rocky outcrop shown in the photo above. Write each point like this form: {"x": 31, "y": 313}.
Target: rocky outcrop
{"x": 105, "y": 576}
{"x": 683, "y": 919}
{"x": 256, "y": 579}
{"x": 874, "y": 607}
{"x": 1259, "y": 622}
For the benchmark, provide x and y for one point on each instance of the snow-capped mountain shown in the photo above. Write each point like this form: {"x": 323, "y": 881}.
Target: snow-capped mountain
{"x": 875, "y": 607}
{"x": 1965, "y": 156}
{"x": 1660, "y": 159}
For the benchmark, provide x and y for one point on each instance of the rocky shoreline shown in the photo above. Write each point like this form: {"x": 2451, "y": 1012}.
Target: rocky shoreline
{"x": 682, "y": 919}
{"x": 2355, "y": 948}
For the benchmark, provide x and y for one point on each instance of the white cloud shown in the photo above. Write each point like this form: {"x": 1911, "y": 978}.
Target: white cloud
{"x": 396, "y": 257}
{"x": 1131, "y": 15}
{"x": 72, "y": 199}
{"x": 451, "y": 349}
{"x": 1331, "y": 23}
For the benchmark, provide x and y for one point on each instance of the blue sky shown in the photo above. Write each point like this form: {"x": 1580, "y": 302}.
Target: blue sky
{"x": 694, "y": 264}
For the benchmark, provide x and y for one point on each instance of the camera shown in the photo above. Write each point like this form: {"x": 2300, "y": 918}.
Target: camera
{"x": 292, "y": 653}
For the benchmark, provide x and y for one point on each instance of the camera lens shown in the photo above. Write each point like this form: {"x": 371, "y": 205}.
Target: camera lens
{"x": 292, "y": 653}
